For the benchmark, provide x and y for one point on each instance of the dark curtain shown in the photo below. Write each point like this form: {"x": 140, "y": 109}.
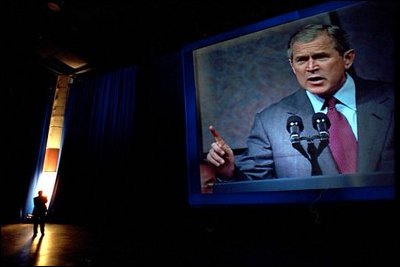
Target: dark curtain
{"x": 38, "y": 167}
{"x": 96, "y": 166}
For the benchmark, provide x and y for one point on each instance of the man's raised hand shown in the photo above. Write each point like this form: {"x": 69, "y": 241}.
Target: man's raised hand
{"x": 221, "y": 155}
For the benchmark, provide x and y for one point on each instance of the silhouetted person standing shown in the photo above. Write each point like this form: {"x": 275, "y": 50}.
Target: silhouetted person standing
{"x": 39, "y": 213}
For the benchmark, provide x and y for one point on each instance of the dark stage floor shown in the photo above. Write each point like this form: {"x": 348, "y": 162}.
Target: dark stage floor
{"x": 62, "y": 245}
{"x": 97, "y": 244}
{"x": 180, "y": 242}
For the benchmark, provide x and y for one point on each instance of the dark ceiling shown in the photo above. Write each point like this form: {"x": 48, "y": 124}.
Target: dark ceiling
{"x": 111, "y": 33}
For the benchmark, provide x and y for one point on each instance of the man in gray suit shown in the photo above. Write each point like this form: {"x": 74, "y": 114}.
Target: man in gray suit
{"x": 321, "y": 59}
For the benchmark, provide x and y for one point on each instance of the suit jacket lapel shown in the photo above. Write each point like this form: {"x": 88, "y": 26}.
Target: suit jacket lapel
{"x": 373, "y": 121}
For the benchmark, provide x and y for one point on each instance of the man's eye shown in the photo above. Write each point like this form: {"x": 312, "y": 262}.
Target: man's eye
{"x": 322, "y": 58}
{"x": 300, "y": 61}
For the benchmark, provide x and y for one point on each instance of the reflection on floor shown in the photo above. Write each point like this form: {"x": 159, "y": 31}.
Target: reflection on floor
{"x": 62, "y": 245}
{"x": 93, "y": 244}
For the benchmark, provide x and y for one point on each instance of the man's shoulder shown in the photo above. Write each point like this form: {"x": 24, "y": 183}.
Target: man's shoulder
{"x": 294, "y": 100}
{"x": 374, "y": 89}
{"x": 373, "y": 84}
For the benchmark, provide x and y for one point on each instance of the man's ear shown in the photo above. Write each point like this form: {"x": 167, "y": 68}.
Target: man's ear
{"x": 349, "y": 58}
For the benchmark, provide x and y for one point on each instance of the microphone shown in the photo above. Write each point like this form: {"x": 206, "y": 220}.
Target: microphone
{"x": 321, "y": 123}
{"x": 294, "y": 126}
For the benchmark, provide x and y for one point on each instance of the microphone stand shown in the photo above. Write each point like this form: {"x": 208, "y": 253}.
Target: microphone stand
{"x": 312, "y": 151}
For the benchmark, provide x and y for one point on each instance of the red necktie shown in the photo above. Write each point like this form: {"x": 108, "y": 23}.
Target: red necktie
{"x": 342, "y": 142}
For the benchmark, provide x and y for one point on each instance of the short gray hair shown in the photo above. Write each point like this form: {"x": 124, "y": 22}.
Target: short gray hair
{"x": 312, "y": 31}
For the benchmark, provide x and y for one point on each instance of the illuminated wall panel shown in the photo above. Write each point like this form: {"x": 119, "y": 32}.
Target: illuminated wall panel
{"x": 47, "y": 178}
{"x": 51, "y": 160}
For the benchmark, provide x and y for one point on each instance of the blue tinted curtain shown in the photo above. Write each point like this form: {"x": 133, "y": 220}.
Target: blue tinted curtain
{"x": 97, "y": 152}
{"x": 100, "y": 110}
{"x": 40, "y": 157}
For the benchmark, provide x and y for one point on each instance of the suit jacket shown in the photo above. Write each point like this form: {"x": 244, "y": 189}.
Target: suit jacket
{"x": 40, "y": 207}
{"x": 270, "y": 154}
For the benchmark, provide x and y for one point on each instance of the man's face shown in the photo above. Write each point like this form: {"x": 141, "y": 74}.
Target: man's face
{"x": 318, "y": 66}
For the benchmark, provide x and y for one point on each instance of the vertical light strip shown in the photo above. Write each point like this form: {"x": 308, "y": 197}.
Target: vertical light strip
{"x": 47, "y": 178}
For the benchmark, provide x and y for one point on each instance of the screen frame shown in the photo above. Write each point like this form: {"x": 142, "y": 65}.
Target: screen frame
{"x": 194, "y": 143}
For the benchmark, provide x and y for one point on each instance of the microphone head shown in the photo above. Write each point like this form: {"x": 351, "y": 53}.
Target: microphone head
{"x": 319, "y": 118}
{"x": 321, "y": 123}
{"x": 294, "y": 121}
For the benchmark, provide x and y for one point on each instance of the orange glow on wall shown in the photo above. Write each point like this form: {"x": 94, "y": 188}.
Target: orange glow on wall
{"x": 51, "y": 160}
